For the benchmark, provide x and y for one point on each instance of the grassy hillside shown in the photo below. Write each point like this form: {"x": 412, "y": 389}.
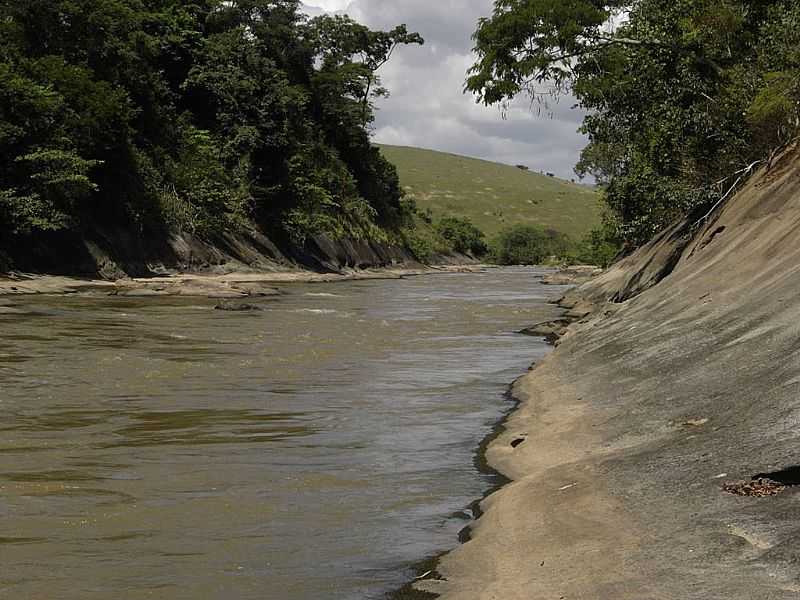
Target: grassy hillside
{"x": 493, "y": 195}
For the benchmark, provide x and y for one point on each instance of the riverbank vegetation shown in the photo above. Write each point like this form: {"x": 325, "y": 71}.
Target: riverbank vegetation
{"x": 204, "y": 117}
{"x": 529, "y": 245}
{"x": 498, "y": 213}
{"x": 532, "y": 245}
{"x": 684, "y": 99}
{"x": 522, "y": 244}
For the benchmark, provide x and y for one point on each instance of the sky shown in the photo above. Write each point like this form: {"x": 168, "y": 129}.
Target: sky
{"x": 427, "y": 107}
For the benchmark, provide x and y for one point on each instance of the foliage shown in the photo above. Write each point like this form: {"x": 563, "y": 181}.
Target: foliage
{"x": 199, "y": 116}
{"x": 529, "y": 245}
{"x": 420, "y": 243}
{"x": 421, "y": 234}
{"x": 57, "y": 180}
{"x": 426, "y": 237}
{"x": 665, "y": 85}
{"x": 600, "y": 247}
{"x": 352, "y": 55}
{"x": 773, "y": 113}
{"x": 462, "y": 236}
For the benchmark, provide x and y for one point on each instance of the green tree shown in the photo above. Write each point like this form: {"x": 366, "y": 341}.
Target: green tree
{"x": 462, "y": 236}
{"x": 158, "y": 115}
{"x": 352, "y": 55}
{"x": 529, "y": 245}
{"x": 57, "y": 181}
{"x": 665, "y": 86}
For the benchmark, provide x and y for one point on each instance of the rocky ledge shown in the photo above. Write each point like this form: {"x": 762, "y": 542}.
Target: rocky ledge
{"x": 227, "y": 286}
{"x": 661, "y": 442}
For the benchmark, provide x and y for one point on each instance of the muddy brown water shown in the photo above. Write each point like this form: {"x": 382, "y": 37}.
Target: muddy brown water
{"x": 156, "y": 448}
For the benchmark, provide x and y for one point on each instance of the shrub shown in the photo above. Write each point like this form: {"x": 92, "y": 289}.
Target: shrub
{"x": 58, "y": 181}
{"x": 420, "y": 246}
{"x": 773, "y": 115}
{"x": 462, "y": 236}
{"x": 529, "y": 245}
{"x": 597, "y": 248}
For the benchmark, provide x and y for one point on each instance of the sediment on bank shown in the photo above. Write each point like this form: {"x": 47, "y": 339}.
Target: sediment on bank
{"x": 234, "y": 265}
{"x": 677, "y": 384}
{"x": 226, "y": 286}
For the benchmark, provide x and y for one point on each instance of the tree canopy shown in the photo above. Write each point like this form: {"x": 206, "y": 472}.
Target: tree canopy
{"x": 201, "y": 116}
{"x": 681, "y": 96}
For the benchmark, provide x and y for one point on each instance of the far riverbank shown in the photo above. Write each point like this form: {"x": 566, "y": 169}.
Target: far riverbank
{"x": 222, "y": 286}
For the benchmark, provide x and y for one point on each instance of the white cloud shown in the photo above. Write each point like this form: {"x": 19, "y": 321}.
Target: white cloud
{"x": 329, "y": 5}
{"x": 428, "y": 108}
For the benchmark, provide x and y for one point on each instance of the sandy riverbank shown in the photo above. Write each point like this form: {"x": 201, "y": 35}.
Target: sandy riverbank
{"x": 680, "y": 376}
{"x": 223, "y": 286}
{"x": 537, "y": 532}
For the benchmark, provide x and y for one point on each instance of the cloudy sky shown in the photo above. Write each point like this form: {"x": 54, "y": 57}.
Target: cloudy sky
{"x": 427, "y": 107}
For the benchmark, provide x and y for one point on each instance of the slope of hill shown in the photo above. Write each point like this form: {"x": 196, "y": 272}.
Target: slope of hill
{"x": 493, "y": 195}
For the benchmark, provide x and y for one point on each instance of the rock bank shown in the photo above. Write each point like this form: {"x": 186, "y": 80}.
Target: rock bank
{"x": 681, "y": 378}
{"x": 572, "y": 275}
{"x": 233, "y": 266}
{"x": 117, "y": 254}
{"x": 227, "y": 286}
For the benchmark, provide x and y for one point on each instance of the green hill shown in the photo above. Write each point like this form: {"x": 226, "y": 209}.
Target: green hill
{"x": 493, "y": 195}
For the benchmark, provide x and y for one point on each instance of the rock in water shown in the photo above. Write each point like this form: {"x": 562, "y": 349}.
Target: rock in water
{"x": 551, "y": 330}
{"x": 229, "y": 307}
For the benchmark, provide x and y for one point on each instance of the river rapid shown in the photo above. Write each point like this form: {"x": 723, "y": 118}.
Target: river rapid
{"x": 317, "y": 449}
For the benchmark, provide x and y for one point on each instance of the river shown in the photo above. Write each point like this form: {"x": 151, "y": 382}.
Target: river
{"x": 314, "y": 450}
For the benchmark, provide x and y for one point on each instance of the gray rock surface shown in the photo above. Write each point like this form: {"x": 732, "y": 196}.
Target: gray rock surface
{"x": 550, "y": 330}
{"x": 116, "y": 254}
{"x": 683, "y": 381}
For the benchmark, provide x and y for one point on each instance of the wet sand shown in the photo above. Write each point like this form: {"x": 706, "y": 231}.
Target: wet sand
{"x": 553, "y": 529}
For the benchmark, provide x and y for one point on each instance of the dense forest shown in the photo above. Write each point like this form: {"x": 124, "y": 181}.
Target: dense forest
{"x": 684, "y": 98}
{"x": 151, "y": 117}
{"x": 209, "y": 116}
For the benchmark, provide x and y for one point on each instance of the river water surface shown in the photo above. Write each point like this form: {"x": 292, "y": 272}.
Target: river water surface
{"x": 157, "y": 448}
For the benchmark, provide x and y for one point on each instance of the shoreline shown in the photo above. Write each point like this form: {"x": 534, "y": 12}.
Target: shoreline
{"x": 229, "y": 286}
{"x": 427, "y": 569}
{"x": 558, "y": 463}
{"x": 674, "y": 391}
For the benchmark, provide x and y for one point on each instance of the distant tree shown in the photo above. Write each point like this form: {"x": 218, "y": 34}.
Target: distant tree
{"x": 528, "y": 245}
{"x": 462, "y": 235}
